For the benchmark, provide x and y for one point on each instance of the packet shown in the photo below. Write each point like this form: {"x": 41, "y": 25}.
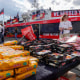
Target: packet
{"x": 8, "y": 43}
{"x": 25, "y": 75}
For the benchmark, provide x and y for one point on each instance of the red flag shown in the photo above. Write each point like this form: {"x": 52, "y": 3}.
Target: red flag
{"x": 28, "y": 33}
{"x": 2, "y": 11}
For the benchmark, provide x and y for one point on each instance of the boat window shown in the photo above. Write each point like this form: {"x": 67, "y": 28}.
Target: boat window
{"x": 49, "y": 28}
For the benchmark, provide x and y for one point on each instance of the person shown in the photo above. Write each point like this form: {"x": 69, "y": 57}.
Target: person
{"x": 78, "y": 38}
{"x": 36, "y": 31}
{"x": 65, "y": 26}
{"x": 1, "y": 33}
{"x": 16, "y": 32}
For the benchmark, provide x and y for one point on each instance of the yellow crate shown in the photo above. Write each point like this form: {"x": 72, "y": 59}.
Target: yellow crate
{"x": 6, "y": 74}
{"x": 33, "y": 65}
{"x": 25, "y": 75}
{"x": 9, "y": 43}
{"x": 13, "y": 63}
{"x": 17, "y": 47}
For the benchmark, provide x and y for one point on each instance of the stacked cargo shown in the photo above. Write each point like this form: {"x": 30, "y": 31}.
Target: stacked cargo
{"x": 7, "y": 52}
{"x": 8, "y": 43}
{"x": 19, "y": 67}
{"x": 16, "y": 63}
{"x": 57, "y": 52}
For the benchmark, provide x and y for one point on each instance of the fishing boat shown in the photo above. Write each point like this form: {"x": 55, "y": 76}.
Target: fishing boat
{"x": 47, "y": 21}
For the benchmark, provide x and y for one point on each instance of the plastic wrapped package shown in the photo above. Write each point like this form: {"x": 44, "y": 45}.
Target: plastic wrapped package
{"x": 22, "y": 53}
{"x": 32, "y": 65}
{"x": 68, "y": 57}
{"x": 25, "y": 75}
{"x": 56, "y": 59}
{"x": 56, "y": 56}
{"x": 59, "y": 60}
{"x": 5, "y": 48}
{"x": 32, "y": 59}
{"x": 48, "y": 46}
{"x": 44, "y": 52}
{"x": 78, "y": 49}
{"x": 5, "y": 55}
{"x": 8, "y": 43}
{"x": 5, "y": 52}
{"x": 78, "y": 40}
{"x": 36, "y": 48}
{"x": 6, "y": 74}
{"x": 19, "y": 62}
{"x": 1, "y": 50}
{"x": 17, "y": 47}
{"x": 65, "y": 48}
{"x": 13, "y": 53}
{"x": 27, "y": 44}
{"x": 14, "y": 63}
{"x": 74, "y": 44}
{"x": 1, "y": 45}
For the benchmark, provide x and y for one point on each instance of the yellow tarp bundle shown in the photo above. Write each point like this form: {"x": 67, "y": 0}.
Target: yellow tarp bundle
{"x": 7, "y": 52}
{"x": 14, "y": 57}
{"x": 33, "y": 65}
{"x": 14, "y": 63}
{"x": 32, "y": 59}
{"x": 6, "y": 74}
{"x": 12, "y": 54}
{"x": 17, "y": 47}
{"x": 9, "y": 43}
{"x": 25, "y": 75}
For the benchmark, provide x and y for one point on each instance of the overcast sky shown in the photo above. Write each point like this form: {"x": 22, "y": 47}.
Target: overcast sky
{"x": 11, "y": 7}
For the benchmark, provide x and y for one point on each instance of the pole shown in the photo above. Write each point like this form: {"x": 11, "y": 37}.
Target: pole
{"x": 3, "y": 25}
{"x": 3, "y": 19}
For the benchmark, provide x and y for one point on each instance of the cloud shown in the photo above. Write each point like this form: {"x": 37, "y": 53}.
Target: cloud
{"x": 31, "y": 1}
{"x": 72, "y": 8}
{"x": 11, "y": 7}
{"x": 68, "y": 0}
{"x": 76, "y": 2}
{"x": 57, "y": 3}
